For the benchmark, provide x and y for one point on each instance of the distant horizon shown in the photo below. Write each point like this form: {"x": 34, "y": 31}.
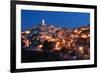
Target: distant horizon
{"x": 58, "y": 19}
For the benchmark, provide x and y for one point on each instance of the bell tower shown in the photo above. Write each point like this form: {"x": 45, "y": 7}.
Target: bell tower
{"x": 43, "y": 22}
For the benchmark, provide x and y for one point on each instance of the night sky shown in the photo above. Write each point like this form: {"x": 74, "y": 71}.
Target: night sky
{"x": 30, "y": 18}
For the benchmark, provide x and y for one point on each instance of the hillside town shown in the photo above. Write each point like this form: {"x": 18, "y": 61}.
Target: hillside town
{"x": 46, "y": 42}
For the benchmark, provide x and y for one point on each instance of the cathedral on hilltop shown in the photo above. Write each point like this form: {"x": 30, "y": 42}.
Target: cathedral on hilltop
{"x": 46, "y": 42}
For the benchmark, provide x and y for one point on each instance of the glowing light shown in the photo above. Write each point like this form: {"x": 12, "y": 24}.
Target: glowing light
{"x": 84, "y": 36}
{"x": 57, "y": 44}
{"x": 81, "y": 50}
{"x": 72, "y": 36}
{"x": 27, "y": 32}
{"x": 82, "y": 28}
{"x": 75, "y": 31}
{"x": 52, "y": 40}
{"x": 40, "y": 46}
{"x": 62, "y": 39}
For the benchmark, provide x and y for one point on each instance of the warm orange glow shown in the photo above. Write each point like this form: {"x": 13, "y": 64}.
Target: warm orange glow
{"x": 58, "y": 48}
{"x": 83, "y": 28}
{"x": 72, "y": 35}
{"x": 52, "y": 40}
{"x": 70, "y": 40}
{"x": 75, "y": 31}
{"x": 84, "y": 36}
{"x": 40, "y": 46}
{"x": 81, "y": 50}
{"x": 57, "y": 44}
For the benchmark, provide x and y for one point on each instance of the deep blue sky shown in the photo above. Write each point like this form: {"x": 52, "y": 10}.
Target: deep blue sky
{"x": 30, "y": 18}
